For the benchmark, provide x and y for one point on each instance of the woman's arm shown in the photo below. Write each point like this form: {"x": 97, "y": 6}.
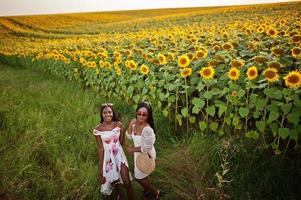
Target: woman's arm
{"x": 100, "y": 159}
{"x": 122, "y": 133}
{"x": 131, "y": 126}
{"x": 147, "y": 139}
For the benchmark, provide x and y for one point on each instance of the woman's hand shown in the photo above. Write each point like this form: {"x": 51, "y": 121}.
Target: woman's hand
{"x": 102, "y": 179}
{"x": 130, "y": 149}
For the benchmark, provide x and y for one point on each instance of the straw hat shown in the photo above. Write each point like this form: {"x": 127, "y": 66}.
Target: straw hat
{"x": 145, "y": 163}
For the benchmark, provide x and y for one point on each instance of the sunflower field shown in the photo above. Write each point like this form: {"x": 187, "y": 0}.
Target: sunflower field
{"x": 222, "y": 70}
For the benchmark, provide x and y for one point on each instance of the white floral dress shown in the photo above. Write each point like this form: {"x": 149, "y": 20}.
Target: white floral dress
{"x": 146, "y": 141}
{"x": 113, "y": 158}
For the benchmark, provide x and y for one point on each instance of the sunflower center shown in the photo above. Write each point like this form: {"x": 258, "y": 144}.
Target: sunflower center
{"x": 233, "y": 73}
{"x": 183, "y": 61}
{"x": 252, "y": 73}
{"x": 207, "y": 72}
{"x": 272, "y": 32}
{"x": 186, "y": 72}
{"x": 270, "y": 74}
{"x": 296, "y": 51}
{"x": 200, "y": 54}
{"x": 293, "y": 79}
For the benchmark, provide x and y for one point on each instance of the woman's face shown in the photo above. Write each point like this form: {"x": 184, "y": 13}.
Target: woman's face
{"x": 107, "y": 114}
{"x": 142, "y": 115}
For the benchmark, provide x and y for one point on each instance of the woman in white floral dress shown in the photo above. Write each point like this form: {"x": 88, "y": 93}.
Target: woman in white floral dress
{"x": 113, "y": 164}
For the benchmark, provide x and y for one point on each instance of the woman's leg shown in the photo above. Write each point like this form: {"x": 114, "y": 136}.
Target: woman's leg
{"x": 147, "y": 186}
{"x": 125, "y": 175}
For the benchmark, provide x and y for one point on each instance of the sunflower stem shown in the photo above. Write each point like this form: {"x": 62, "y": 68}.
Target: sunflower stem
{"x": 186, "y": 95}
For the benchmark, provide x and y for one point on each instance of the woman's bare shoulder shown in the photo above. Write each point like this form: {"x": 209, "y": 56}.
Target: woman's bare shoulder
{"x": 99, "y": 127}
{"x": 132, "y": 121}
{"x": 119, "y": 124}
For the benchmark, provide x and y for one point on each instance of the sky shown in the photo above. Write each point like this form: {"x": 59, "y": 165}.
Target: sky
{"x": 37, "y": 7}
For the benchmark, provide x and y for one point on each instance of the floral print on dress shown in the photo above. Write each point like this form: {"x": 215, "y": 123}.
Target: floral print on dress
{"x": 113, "y": 158}
{"x": 109, "y": 165}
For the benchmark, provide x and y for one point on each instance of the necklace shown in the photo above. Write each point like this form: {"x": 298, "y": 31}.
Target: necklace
{"x": 108, "y": 126}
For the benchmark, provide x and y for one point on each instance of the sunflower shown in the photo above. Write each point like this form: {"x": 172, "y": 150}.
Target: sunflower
{"x": 117, "y": 54}
{"x": 260, "y": 59}
{"x": 162, "y": 59}
{"x": 128, "y": 52}
{"x": 201, "y": 53}
{"x": 271, "y": 74}
{"x": 118, "y": 71}
{"x": 190, "y": 56}
{"x": 233, "y": 73}
{"x": 170, "y": 56}
{"x": 237, "y": 63}
{"x": 296, "y": 38}
{"x": 234, "y": 93}
{"x": 108, "y": 65}
{"x": 186, "y": 72}
{"x": 296, "y": 52}
{"x": 277, "y": 51}
{"x": 132, "y": 65}
{"x": 183, "y": 61}
{"x": 274, "y": 64}
{"x": 260, "y": 29}
{"x": 227, "y": 46}
{"x": 252, "y": 73}
{"x": 293, "y": 79}
{"x": 148, "y": 56}
{"x": 207, "y": 72}
{"x": 144, "y": 69}
{"x": 216, "y": 47}
{"x": 101, "y": 63}
{"x": 272, "y": 32}
{"x": 93, "y": 64}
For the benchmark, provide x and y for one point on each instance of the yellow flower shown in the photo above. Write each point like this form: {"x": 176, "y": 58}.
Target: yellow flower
{"x": 207, "y": 72}
{"x": 201, "y": 53}
{"x": 296, "y": 52}
{"x": 162, "y": 59}
{"x": 97, "y": 71}
{"x": 274, "y": 64}
{"x": 234, "y": 93}
{"x": 272, "y": 32}
{"x": 186, "y": 72}
{"x": 118, "y": 71}
{"x": 144, "y": 69}
{"x": 271, "y": 74}
{"x": 260, "y": 29}
{"x": 237, "y": 63}
{"x": 183, "y": 61}
{"x": 170, "y": 56}
{"x": 101, "y": 64}
{"x": 293, "y": 79}
{"x": 260, "y": 59}
{"x": 252, "y": 73}
{"x": 227, "y": 46}
{"x": 233, "y": 73}
{"x": 296, "y": 38}
{"x": 277, "y": 51}
{"x": 132, "y": 65}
